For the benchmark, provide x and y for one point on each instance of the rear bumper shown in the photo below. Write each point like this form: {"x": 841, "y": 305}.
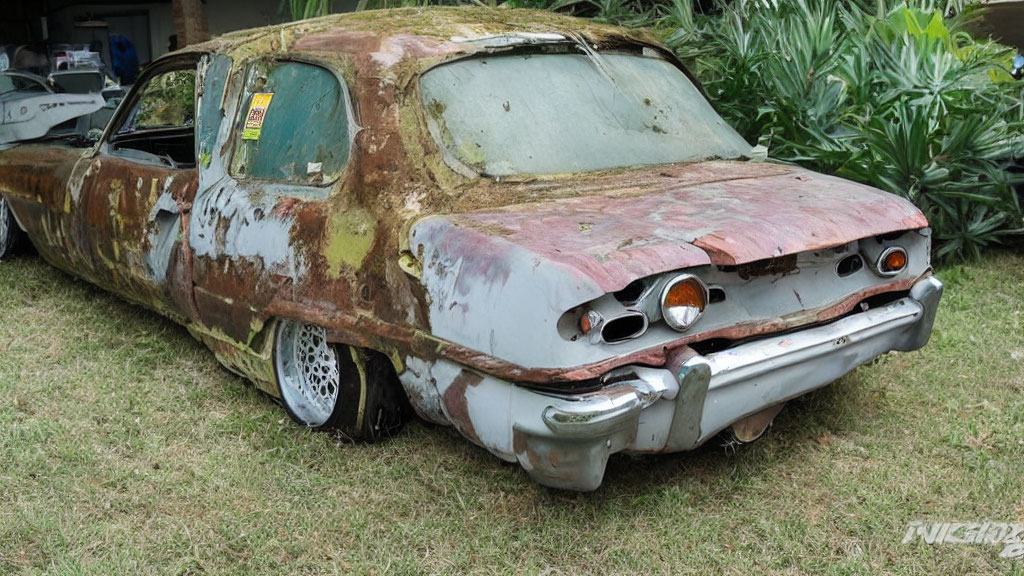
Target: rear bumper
{"x": 564, "y": 441}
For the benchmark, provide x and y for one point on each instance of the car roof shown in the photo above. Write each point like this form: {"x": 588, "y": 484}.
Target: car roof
{"x": 420, "y": 36}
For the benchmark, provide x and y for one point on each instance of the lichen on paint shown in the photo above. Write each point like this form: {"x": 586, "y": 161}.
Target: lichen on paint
{"x": 349, "y": 239}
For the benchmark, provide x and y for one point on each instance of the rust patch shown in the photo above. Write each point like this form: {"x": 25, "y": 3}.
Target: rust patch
{"x": 751, "y": 427}
{"x": 456, "y": 404}
{"x": 770, "y": 267}
{"x": 556, "y": 461}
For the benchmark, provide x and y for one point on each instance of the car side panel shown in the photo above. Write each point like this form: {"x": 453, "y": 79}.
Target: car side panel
{"x": 131, "y": 218}
{"x": 37, "y": 182}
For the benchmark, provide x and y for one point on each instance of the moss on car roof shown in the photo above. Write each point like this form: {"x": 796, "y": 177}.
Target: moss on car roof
{"x": 435, "y": 25}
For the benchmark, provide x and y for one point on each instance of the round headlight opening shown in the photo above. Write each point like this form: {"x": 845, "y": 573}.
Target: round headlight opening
{"x": 892, "y": 261}
{"x": 683, "y": 301}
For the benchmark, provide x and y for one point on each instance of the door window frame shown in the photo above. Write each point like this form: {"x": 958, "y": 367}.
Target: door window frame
{"x": 187, "y": 61}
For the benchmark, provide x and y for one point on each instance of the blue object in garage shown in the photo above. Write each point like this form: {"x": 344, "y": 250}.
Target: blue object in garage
{"x": 125, "y": 59}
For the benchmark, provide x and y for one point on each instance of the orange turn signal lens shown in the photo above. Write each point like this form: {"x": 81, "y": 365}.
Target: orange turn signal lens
{"x": 686, "y": 293}
{"x": 589, "y": 321}
{"x": 892, "y": 261}
{"x": 683, "y": 301}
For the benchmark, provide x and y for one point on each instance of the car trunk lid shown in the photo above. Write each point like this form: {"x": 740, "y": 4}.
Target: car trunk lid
{"x": 615, "y": 228}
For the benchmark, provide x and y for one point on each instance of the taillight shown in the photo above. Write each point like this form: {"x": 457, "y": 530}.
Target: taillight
{"x": 683, "y": 301}
{"x": 589, "y": 321}
{"x": 892, "y": 261}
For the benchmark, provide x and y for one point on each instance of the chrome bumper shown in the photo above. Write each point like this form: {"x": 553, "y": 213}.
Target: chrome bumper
{"x": 565, "y": 441}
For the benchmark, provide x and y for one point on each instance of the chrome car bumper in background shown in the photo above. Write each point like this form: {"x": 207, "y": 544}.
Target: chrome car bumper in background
{"x": 564, "y": 441}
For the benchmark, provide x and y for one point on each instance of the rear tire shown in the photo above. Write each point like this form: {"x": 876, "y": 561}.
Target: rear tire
{"x": 326, "y": 386}
{"x": 11, "y": 235}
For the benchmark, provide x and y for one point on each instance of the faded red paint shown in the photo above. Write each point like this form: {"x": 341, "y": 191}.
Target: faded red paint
{"x": 724, "y": 213}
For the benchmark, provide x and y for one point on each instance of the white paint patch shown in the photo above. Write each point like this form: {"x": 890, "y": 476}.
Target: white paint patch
{"x": 390, "y": 53}
{"x": 227, "y": 223}
{"x": 421, "y": 387}
{"x": 412, "y": 202}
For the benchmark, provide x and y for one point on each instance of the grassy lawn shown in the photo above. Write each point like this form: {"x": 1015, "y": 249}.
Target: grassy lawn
{"x": 125, "y": 448}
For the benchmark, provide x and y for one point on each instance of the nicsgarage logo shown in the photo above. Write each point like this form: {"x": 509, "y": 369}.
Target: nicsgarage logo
{"x": 1009, "y": 538}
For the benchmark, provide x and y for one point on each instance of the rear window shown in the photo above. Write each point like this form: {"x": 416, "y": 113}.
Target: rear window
{"x": 549, "y": 113}
{"x": 294, "y": 125}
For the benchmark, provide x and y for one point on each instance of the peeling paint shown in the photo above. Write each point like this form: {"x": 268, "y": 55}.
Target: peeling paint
{"x": 234, "y": 225}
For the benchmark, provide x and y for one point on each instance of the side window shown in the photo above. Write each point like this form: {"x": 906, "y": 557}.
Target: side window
{"x": 160, "y": 126}
{"x": 294, "y": 125}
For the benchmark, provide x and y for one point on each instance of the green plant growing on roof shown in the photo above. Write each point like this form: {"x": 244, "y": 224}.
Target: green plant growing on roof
{"x": 303, "y": 9}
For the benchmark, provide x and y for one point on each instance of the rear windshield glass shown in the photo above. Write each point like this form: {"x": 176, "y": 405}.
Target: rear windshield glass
{"x": 566, "y": 112}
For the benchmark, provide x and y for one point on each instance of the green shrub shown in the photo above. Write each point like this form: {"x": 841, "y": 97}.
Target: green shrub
{"x": 302, "y": 9}
{"x": 890, "y": 94}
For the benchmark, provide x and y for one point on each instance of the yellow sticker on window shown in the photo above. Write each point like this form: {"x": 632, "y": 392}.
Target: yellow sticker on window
{"x": 257, "y": 114}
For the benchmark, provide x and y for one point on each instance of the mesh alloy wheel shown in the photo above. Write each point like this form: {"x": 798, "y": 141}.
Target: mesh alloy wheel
{"x": 10, "y": 234}
{"x": 4, "y": 225}
{"x": 308, "y": 372}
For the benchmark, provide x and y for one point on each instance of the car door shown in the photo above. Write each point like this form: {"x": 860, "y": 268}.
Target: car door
{"x": 286, "y": 142}
{"x": 135, "y": 192}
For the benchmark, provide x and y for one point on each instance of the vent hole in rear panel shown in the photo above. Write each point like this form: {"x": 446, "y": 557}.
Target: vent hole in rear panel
{"x": 849, "y": 265}
{"x": 715, "y": 295}
{"x": 624, "y": 328}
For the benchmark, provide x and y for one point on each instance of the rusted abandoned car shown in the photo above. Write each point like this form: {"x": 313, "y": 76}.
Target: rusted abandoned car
{"x": 530, "y": 227}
